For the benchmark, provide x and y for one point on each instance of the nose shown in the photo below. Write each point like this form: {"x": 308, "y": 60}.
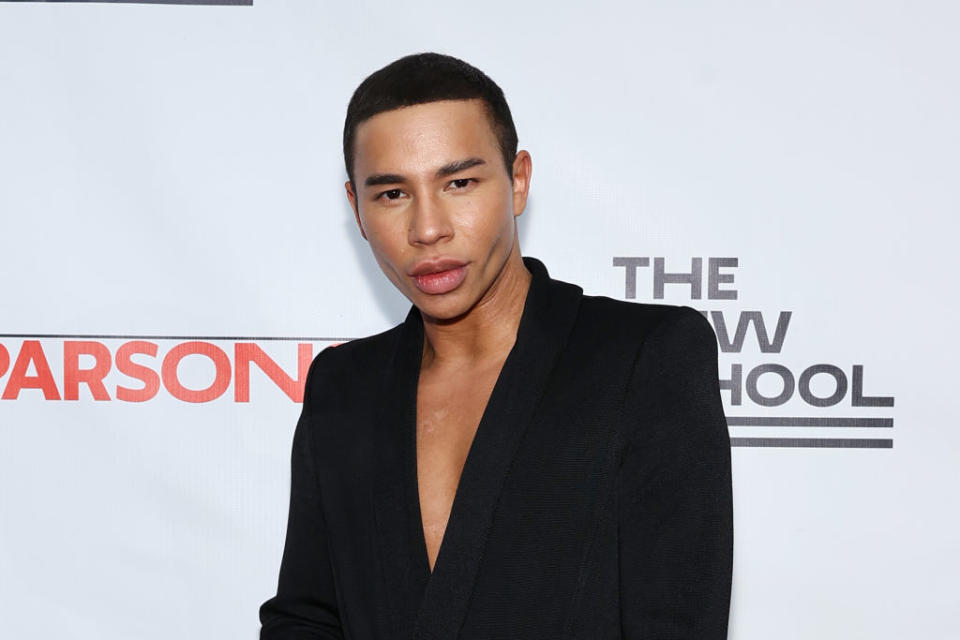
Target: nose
{"x": 429, "y": 222}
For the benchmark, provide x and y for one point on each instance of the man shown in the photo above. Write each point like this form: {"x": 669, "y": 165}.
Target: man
{"x": 516, "y": 459}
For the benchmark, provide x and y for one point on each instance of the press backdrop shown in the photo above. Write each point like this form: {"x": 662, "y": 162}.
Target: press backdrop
{"x": 175, "y": 246}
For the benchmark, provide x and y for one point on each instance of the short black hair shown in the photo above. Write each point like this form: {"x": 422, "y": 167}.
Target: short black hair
{"x": 428, "y": 77}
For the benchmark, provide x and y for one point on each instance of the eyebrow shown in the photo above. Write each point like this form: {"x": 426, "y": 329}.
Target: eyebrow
{"x": 446, "y": 170}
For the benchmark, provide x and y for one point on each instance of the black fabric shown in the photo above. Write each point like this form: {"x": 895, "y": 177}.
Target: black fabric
{"x": 595, "y": 501}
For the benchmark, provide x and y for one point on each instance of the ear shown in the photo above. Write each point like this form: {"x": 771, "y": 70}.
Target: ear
{"x": 522, "y": 169}
{"x": 352, "y": 197}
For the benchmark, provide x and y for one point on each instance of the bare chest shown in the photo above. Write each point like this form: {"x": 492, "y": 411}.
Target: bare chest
{"x": 449, "y": 410}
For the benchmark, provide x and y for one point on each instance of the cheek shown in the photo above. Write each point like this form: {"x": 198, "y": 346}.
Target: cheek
{"x": 389, "y": 261}
{"x": 490, "y": 215}
{"x": 385, "y": 233}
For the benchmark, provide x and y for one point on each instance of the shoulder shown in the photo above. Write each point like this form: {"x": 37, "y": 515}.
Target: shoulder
{"x": 652, "y": 327}
{"x": 682, "y": 334}
{"x": 673, "y": 396}
{"x": 355, "y": 361}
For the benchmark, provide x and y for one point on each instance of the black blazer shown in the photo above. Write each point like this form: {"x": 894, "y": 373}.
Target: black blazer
{"x": 595, "y": 501}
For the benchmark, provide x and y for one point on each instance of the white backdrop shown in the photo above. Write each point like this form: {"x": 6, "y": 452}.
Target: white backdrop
{"x": 173, "y": 174}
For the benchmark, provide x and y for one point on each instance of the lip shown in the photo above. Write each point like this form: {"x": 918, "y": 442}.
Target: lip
{"x": 435, "y": 265}
{"x": 438, "y": 275}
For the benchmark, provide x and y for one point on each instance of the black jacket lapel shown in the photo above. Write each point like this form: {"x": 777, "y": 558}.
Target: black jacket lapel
{"x": 403, "y": 554}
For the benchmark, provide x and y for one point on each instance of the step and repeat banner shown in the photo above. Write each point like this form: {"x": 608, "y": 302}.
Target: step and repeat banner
{"x": 176, "y": 247}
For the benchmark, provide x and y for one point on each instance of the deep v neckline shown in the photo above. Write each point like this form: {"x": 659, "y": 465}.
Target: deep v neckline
{"x": 427, "y": 603}
{"x": 412, "y": 459}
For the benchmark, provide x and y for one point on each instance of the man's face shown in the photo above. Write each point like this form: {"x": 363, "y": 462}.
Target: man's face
{"x": 436, "y": 204}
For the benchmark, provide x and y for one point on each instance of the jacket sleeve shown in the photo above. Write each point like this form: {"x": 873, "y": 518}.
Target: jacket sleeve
{"x": 305, "y": 606}
{"x": 675, "y": 499}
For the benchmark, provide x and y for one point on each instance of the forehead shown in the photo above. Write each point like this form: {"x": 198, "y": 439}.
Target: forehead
{"x": 424, "y": 136}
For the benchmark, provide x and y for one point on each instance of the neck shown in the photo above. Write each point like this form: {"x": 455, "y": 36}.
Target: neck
{"x": 486, "y": 332}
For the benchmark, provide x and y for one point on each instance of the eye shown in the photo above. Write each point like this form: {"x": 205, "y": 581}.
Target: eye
{"x": 461, "y": 183}
{"x": 391, "y": 194}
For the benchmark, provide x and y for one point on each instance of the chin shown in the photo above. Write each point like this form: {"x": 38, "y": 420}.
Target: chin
{"x": 447, "y": 307}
